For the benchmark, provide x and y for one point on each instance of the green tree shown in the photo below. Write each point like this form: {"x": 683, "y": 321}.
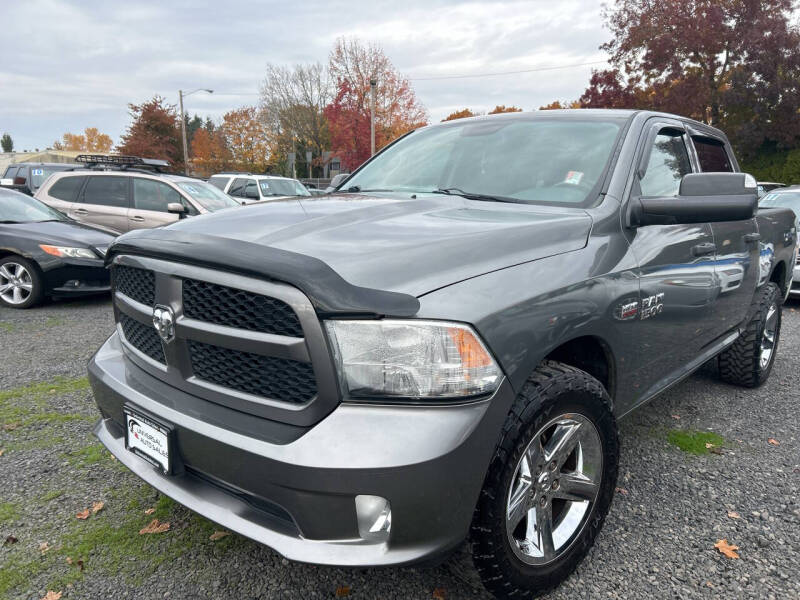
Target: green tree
{"x": 7, "y": 143}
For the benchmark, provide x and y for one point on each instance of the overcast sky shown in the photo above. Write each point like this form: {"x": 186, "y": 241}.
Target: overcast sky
{"x": 67, "y": 65}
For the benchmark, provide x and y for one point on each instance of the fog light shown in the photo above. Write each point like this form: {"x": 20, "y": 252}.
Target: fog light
{"x": 374, "y": 517}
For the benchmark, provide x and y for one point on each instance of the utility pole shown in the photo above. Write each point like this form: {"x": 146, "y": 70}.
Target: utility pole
{"x": 183, "y": 124}
{"x": 373, "y": 82}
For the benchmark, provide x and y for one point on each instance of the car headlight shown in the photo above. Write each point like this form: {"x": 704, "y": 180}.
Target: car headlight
{"x": 411, "y": 359}
{"x": 67, "y": 252}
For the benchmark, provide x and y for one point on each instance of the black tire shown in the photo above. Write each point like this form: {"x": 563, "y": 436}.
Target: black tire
{"x": 554, "y": 389}
{"x": 741, "y": 363}
{"x": 37, "y": 293}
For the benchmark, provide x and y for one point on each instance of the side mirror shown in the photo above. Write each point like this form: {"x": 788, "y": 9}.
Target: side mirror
{"x": 177, "y": 208}
{"x": 702, "y": 198}
{"x": 339, "y": 179}
{"x": 251, "y": 191}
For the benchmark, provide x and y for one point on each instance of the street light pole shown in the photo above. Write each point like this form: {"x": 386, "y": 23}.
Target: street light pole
{"x": 183, "y": 125}
{"x": 372, "y": 84}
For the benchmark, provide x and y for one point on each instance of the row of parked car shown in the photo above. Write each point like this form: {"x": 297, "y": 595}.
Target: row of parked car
{"x": 56, "y": 220}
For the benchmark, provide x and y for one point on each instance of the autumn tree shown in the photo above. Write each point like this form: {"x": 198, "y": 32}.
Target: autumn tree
{"x": 502, "y": 108}
{"x": 247, "y": 139}
{"x": 210, "y": 153}
{"x": 6, "y": 143}
{"x": 292, "y": 107}
{"x": 90, "y": 141}
{"x": 559, "y": 104}
{"x": 730, "y": 63}
{"x": 460, "y": 114}
{"x": 352, "y": 64}
{"x": 155, "y": 132}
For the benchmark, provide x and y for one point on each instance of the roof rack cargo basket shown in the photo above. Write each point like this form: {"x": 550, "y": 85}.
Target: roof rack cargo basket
{"x": 121, "y": 162}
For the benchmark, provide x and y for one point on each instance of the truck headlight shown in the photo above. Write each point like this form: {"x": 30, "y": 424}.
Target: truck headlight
{"x": 411, "y": 359}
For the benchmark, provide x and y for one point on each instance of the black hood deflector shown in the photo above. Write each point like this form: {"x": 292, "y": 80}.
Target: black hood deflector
{"x": 325, "y": 288}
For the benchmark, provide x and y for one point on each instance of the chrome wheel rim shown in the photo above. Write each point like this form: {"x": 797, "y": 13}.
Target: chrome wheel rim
{"x": 768, "y": 337}
{"x": 554, "y": 488}
{"x": 16, "y": 283}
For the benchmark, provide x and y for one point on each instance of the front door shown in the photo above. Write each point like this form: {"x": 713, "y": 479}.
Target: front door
{"x": 150, "y": 201}
{"x": 676, "y": 265}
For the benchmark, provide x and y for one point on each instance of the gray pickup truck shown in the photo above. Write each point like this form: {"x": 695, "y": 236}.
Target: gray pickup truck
{"x": 440, "y": 351}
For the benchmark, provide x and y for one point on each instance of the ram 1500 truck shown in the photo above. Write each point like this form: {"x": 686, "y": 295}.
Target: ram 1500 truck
{"x": 440, "y": 351}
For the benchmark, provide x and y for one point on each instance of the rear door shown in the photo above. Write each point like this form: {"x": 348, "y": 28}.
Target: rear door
{"x": 736, "y": 263}
{"x": 104, "y": 200}
{"x": 150, "y": 200}
{"x": 62, "y": 193}
{"x": 676, "y": 262}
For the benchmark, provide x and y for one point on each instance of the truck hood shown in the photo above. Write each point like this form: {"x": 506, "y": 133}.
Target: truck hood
{"x": 410, "y": 246}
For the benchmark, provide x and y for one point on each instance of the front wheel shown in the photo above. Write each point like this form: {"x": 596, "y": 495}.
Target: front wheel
{"x": 549, "y": 485}
{"x": 21, "y": 284}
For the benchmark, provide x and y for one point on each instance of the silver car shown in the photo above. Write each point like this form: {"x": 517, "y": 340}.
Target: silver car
{"x": 126, "y": 200}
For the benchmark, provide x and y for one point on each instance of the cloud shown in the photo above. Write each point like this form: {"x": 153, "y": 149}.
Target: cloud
{"x": 71, "y": 64}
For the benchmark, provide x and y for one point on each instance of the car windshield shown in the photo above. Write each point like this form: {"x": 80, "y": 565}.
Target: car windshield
{"x": 39, "y": 174}
{"x": 19, "y": 208}
{"x": 783, "y": 199}
{"x": 282, "y": 187}
{"x": 207, "y": 195}
{"x": 542, "y": 160}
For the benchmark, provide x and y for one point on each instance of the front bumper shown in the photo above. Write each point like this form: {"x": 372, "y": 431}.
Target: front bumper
{"x": 293, "y": 488}
{"x": 75, "y": 277}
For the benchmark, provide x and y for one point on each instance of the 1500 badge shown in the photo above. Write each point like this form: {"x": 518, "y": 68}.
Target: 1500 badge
{"x": 652, "y": 305}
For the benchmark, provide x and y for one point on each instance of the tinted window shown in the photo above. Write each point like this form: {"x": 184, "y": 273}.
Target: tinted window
{"x": 207, "y": 195}
{"x": 66, "y": 188}
{"x": 282, "y": 187}
{"x": 237, "y": 187}
{"x": 669, "y": 162}
{"x": 106, "y": 191}
{"x": 10, "y": 173}
{"x": 712, "y": 156}
{"x": 219, "y": 182}
{"x": 153, "y": 195}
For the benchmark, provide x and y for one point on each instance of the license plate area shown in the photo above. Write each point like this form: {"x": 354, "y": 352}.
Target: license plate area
{"x": 150, "y": 439}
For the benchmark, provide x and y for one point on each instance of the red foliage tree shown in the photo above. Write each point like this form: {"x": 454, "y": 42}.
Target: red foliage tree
{"x": 349, "y": 126}
{"x": 155, "y": 132}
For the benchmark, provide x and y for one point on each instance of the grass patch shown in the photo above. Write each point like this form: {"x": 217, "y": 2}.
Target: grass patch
{"x": 17, "y": 570}
{"x": 53, "y": 322}
{"x": 694, "y": 442}
{"x": 60, "y": 385}
{"x": 52, "y": 495}
{"x": 6, "y": 327}
{"x": 8, "y": 511}
{"x": 88, "y": 455}
{"x": 27, "y": 405}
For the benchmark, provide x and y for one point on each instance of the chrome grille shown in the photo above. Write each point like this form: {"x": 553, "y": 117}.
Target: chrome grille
{"x": 223, "y": 305}
{"x": 267, "y": 376}
{"x": 142, "y": 337}
{"x": 138, "y": 284}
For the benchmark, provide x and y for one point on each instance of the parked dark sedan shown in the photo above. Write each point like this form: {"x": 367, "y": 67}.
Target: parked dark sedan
{"x": 44, "y": 253}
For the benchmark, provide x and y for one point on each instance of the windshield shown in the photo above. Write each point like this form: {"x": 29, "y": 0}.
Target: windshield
{"x": 207, "y": 195}
{"x": 539, "y": 160}
{"x": 282, "y": 187}
{"x": 787, "y": 199}
{"x": 39, "y": 174}
{"x": 19, "y": 208}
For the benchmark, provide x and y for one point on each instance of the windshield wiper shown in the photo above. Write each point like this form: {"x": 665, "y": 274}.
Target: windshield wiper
{"x": 357, "y": 188}
{"x": 470, "y": 195}
{"x": 10, "y": 222}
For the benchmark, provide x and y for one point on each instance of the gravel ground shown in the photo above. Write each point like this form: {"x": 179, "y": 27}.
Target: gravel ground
{"x": 658, "y": 541}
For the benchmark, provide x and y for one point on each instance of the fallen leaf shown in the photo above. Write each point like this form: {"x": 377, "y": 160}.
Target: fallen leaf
{"x": 774, "y": 442}
{"x": 727, "y": 549}
{"x": 716, "y": 450}
{"x": 439, "y": 594}
{"x": 155, "y": 526}
{"x": 217, "y": 535}
{"x": 622, "y": 491}
{"x": 2, "y": 451}
{"x": 709, "y": 584}
{"x": 676, "y": 416}
{"x": 44, "y": 547}
{"x": 10, "y": 540}
{"x": 709, "y": 445}
{"x": 83, "y": 515}
{"x": 97, "y": 507}
{"x": 10, "y": 426}
{"x": 150, "y": 511}
{"x": 69, "y": 560}
{"x": 734, "y": 515}
{"x": 80, "y": 564}
{"x": 51, "y": 595}
{"x": 342, "y": 591}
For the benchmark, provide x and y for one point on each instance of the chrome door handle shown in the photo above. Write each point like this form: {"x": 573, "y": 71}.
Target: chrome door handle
{"x": 704, "y": 248}
{"x": 81, "y": 211}
{"x": 137, "y": 218}
{"x": 749, "y": 238}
